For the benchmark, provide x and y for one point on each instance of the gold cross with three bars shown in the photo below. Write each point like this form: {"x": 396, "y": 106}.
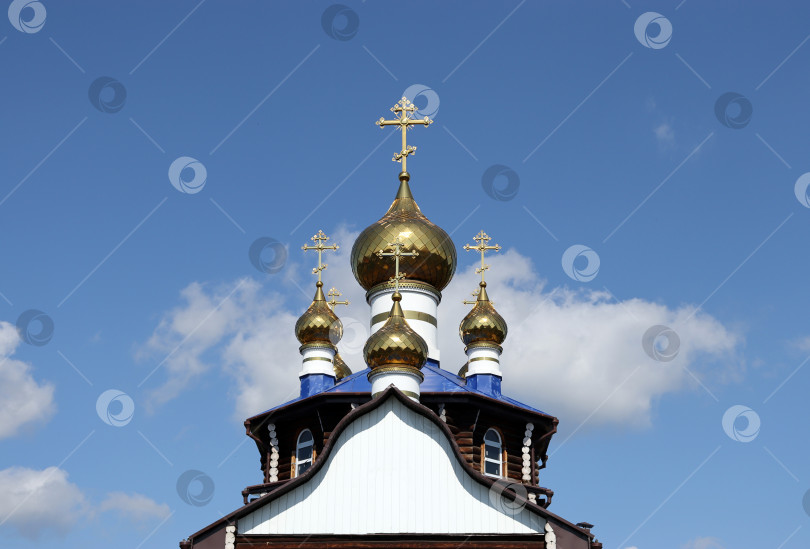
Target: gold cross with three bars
{"x": 319, "y": 239}
{"x": 474, "y": 301}
{"x": 405, "y": 109}
{"x": 334, "y": 294}
{"x": 482, "y": 238}
{"x": 397, "y": 252}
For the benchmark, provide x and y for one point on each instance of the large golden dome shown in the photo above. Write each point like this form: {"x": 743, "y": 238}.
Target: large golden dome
{"x": 483, "y": 324}
{"x": 319, "y": 324}
{"x": 436, "y": 261}
{"x": 395, "y": 345}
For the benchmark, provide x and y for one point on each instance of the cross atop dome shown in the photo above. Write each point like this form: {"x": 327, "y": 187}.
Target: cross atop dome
{"x": 475, "y": 294}
{"x": 320, "y": 247}
{"x": 397, "y": 252}
{"x": 483, "y": 330}
{"x": 474, "y": 301}
{"x": 404, "y": 109}
{"x": 482, "y": 239}
{"x": 333, "y": 294}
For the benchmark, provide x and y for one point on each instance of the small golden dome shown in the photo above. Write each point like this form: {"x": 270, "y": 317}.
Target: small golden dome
{"x": 340, "y": 367}
{"x": 395, "y": 345}
{"x": 319, "y": 324}
{"x": 436, "y": 262}
{"x": 483, "y": 324}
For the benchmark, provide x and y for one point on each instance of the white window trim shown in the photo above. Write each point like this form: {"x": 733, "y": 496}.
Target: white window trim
{"x": 499, "y": 461}
{"x": 301, "y": 445}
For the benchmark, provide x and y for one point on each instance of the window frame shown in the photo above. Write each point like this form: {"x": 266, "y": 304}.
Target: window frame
{"x": 501, "y": 452}
{"x": 296, "y": 463}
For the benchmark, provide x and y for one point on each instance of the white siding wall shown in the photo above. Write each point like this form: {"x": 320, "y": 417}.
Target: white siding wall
{"x": 391, "y": 471}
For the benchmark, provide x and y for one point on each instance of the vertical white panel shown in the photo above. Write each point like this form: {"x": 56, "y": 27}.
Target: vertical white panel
{"x": 329, "y": 497}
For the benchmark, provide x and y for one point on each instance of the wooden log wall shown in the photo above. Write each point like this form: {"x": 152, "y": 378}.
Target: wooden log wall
{"x": 461, "y": 420}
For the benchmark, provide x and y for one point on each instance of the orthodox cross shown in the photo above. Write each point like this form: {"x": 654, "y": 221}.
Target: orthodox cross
{"x": 404, "y": 110}
{"x": 333, "y": 302}
{"x": 482, "y": 238}
{"x": 396, "y": 247}
{"x": 320, "y": 247}
{"x": 474, "y": 301}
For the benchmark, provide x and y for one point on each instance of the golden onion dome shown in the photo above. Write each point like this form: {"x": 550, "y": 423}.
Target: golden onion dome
{"x": 341, "y": 368}
{"x": 395, "y": 345}
{"x": 483, "y": 324}
{"x": 319, "y": 324}
{"x": 436, "y": 262}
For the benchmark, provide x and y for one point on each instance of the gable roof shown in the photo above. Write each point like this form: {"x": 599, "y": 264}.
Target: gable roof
{"x": 357, "y": 413}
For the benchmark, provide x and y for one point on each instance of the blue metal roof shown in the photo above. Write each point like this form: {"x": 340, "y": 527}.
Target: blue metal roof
{"x": 436, "y": 381}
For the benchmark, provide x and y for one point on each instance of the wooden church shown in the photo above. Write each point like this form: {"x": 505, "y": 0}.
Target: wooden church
{"x": 403, "y": 454}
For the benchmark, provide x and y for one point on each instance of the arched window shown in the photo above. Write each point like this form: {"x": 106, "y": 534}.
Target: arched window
{"x": 493, "y": 454}
{"x": 303, "y": 451}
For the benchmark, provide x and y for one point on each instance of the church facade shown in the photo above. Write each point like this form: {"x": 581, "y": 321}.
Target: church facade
{"x": 402, "y": 453}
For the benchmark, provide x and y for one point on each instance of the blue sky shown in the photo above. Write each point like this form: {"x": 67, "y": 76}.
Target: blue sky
{"x": 621, "y": 141}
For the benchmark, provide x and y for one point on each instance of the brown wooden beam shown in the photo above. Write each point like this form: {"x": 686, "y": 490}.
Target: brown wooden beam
{"x": 399, "y": 541}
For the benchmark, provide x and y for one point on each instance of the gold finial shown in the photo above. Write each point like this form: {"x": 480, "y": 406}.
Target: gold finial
{"x": 475, "y": 294}
{"x": 482, "y": 238}
{"x": 334, "y": 294}
{"x": 397, "y": 247}
{"x": 404, "y": 109}
{"x": 319, "y": 239}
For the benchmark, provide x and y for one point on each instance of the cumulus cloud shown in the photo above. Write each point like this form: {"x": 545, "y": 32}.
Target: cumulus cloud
{"x": 38, "y": 502}
{"x": 704, "y": 543}
{"x": 240, "y": 327}
{"x": 576, "y": 353}
{"x": 803, "y": 344}
{"x": 134, "y": 507}
{"x": 665, "y": 135}
{"x": 214, "y": 316}
{"x": 35, "y": 502}
{"x": 247, "y": 329}
{"x": 22, "y": 399}
{"x": 662, "y": 128}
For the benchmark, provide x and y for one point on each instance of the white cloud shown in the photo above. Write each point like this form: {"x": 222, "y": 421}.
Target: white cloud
{"x": 803, "y": 343}
{"x": 22, "y": 399}
{"x": 572, "y": 353}
{"x": 134, "y": 507}
{"x": 665, "y": 135}
{"x": 38, "y": 501}
{"x": 239, "y": 326}
{"x": 704, "y": 543}
{"x": 250, "y": 331}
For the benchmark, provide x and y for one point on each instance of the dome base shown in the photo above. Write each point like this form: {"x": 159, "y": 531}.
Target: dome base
{"x": 407, "y": 381}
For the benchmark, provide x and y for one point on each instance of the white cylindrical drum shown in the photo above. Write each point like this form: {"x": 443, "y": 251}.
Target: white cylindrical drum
{"x": 406, "y": 382}
{"x": 419, "y": 306}
{"x": 483, "y": 360}
{"x": 317, "y": 360}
